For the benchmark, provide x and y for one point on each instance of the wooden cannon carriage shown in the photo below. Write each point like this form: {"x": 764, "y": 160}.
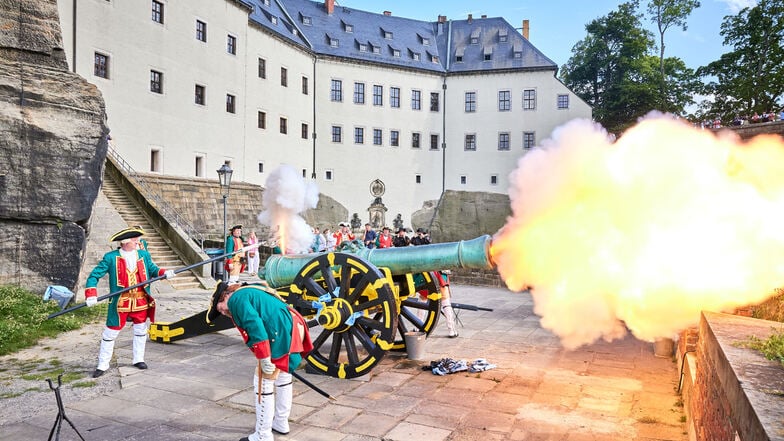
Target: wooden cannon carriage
{"x": 359, "y": 302}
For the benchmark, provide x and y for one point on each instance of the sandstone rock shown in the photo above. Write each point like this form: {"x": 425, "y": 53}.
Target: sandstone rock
{"x": 53, "y": 138}
{"x": 464, "y": 215}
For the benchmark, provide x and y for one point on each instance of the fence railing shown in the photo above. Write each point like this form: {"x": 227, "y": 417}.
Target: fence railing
{"x": 170, "y": 214}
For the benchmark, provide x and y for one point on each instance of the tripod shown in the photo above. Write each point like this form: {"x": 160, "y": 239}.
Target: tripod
{"x": 60, "y": 410}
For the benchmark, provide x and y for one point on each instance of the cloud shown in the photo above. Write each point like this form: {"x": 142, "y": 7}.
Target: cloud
{"x": 736, "y": 5}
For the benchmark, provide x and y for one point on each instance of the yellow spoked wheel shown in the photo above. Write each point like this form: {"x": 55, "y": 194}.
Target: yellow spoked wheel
{"x": 420, "y": 309}
{"x": 355, "y": 307}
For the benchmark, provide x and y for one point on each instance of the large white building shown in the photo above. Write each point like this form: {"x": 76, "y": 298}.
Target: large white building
{"x": 347, "y": 96}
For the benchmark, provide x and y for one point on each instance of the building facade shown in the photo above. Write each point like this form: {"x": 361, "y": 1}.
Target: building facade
{"x": 351, "y": 98}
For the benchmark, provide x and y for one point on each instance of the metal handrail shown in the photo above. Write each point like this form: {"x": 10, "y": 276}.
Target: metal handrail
{"x": 170, "y": 214}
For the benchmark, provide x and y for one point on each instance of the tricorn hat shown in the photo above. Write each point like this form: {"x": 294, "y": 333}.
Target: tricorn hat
{"x": 403, "y": 229}
{"x": 236, "y": 227}
{"x": 212, "y": 311}
{"x": 128, "y": 233}
{"x": 420, "y": 230}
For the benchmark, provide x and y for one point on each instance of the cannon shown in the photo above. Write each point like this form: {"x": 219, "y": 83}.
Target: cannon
{"x": 363, "y": 299}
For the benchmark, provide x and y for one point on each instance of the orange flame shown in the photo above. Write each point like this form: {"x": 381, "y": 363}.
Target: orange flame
{"x": 644, "y": 233}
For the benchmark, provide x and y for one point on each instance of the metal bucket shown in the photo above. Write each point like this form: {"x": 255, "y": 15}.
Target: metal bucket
{"x": 415, "y": 345}
{"x": 663, "y": 347}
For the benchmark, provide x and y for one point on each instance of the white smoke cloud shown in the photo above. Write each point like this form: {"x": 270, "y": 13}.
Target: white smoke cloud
{"x": 286, "y": 195}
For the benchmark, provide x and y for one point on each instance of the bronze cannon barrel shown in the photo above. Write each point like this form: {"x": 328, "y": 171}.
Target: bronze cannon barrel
{"x": 281, "y": 270}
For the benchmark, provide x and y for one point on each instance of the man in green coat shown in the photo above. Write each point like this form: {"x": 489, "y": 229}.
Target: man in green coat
{"x": 126, "y": 266}
{"x": 278, "y": 336}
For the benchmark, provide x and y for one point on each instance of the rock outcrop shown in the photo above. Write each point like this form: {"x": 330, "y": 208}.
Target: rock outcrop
{"x": 463, "y": 215}
{"x": 52, "y": 150}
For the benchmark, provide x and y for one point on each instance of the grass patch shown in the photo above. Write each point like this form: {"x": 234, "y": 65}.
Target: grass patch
{"x": 52, "y": 375}
{"x": 23, "y": 319}
{"x": 772, "y": 348}
{"x": 647, "y": 420}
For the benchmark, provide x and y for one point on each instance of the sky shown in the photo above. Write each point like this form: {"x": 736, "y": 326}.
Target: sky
{"x": 556, "y": 25}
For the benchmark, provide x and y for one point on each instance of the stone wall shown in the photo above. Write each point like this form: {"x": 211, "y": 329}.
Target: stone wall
{"x": 731, "y": 392}
{"x": 53, "y": 147}
{"x": 751, "y": 130}
{"x": 463, "y": 215}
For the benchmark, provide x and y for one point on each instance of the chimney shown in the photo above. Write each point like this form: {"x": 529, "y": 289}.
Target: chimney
{"x": 330, "y": 6}
{"x": 470, "y": 18}
{"x": 484, "y": 16}
{"x": 388, "y": 13}
{"x": 525, "y": 29}
{"x": 442, "y": 18}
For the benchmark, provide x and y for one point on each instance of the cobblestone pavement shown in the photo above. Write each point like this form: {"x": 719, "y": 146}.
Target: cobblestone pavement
{"x": 201, "y": 388}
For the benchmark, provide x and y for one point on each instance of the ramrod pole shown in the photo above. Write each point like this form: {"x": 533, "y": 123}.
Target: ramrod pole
{"x": 154, "y": 279}
{"x": 281, "y": 270}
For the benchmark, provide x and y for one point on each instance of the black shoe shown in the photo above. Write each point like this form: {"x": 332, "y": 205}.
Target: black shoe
{"x": 141, "y": 365}
{"x": 98, "y": 373}
{"x": 278, "y": 432}
{"x": 244, "y": 438}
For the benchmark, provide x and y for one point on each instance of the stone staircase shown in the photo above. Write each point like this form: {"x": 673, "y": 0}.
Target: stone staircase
{"x": 161, "y": 253}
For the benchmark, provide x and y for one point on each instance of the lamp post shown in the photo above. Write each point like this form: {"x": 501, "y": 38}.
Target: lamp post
{"x": 224, "y": 179}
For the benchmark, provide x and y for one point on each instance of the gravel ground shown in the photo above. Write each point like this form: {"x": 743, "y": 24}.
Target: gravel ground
{"x": 24, "y": 391}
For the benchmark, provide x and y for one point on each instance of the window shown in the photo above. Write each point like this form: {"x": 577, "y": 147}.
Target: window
{"x": 156, "y": 81}
{"x": 328, "y": 175}
{"x": 470, "y": 101}
{"x": 199, "y": 93}
{"x": 415, "y": 140}
{"x": 304, "y": 85}
{"x": 416, "y": 100}
{"x": 231, "y": 103}
{"x": 503, "y": 141}
{"x": 425, "y": 41}
{"x": 376, "y": 49}
{"x": 155, "y": 160}
{"x": 334, "y": 42}
{"x": 378, "y": 136}
{"x": 284, "y": 77}
{"x": 388, "y": 35}
{"x": 470, "y": 141}
{"x": 262, "y": 122}
{"x": 394, "y": 138}
{"x": 336, "y": 91}
{"x": 262, "y": 68}
{"x": 199, "y": 167}
{"x": 304, "y": 131}
{"x": 359, "y": 93}
{"x": 231, "y": 44}
{"x": 261, "y": 167}
{"x": 488, "y": 56}
{"x": 433, "y": 142}
{"x": 463, "y": 180}
{"x": 458, "y": 58}
{"x": 307, "y": 21}
{"x": 529, "y": 140}
{"x": 563, "y": 101}
{"x": 396, "y": 53}
{"x": 394, "y": 97}
{"x": 529, "y": 99}
{"x": 304, "y": 173}
{"x": 157, "y": 11}
{"x": 416, "y": 56}
{"x": 337, "y": 134}
{"x": 504, "y": 100}
{"x": 493, "y": 179}
{"x": 201, "y": 31}
{"x": 378, "y": 95}
{"x": 434, "y": 101}
{"x": 359, "y": 135}
{"x": 502, "y": 38}
{"x": 284, "y": 125}
{"x": 362, "y": 47}
{"x": 101, "y": 65}
{"x": 348, "y": 27}
{"x": 418, "y": 179}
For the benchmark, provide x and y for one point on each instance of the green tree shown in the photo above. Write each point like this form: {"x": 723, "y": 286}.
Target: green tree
{"x": 666, "y": 14}
{"x": 607, "y": 68}
{"x": 750, "y": 78}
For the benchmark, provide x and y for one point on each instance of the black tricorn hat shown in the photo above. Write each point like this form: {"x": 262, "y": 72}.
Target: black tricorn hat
{"x": 236, "y": 227}
{"x": 128, "y": 233}
{"x": 212, "y": 311}
{"x": 403, "y": 229}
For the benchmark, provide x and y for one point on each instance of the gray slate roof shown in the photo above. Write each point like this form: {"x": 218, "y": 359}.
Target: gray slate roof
{"x": 361, "y": 35}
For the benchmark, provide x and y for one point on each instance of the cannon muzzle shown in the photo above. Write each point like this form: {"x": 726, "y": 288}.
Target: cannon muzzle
{"x": 281, "y": 270}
